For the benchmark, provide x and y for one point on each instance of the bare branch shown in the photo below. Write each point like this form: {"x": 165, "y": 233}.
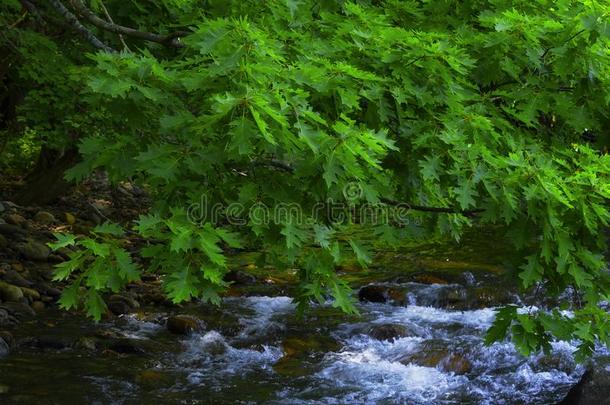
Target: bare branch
{"x": 109, "y": 18}
{"x": 168, "y": 40}
{"x": 80, "y": 28}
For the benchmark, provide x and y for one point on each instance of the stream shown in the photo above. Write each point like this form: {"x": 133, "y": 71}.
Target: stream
{"x": 417, "y": 340}
{"x": 255, "y": 349}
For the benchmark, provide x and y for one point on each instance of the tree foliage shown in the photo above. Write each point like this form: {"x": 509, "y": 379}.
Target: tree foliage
{"x": 472, "y": 112}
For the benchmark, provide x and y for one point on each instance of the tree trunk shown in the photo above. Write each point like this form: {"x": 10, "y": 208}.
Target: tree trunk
{"x": 46, "y": 182}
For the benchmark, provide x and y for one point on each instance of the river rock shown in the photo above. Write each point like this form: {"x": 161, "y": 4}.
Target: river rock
{"x": 33, "y": 250}
{"x": 13, "y": 277}
{"x": 6, "y": 319}
{"x": 389, "y": 332}
{"x": 593, "y": 388}
{"x": 18, "y": 310}
{"x": 15, "y": 219}
{"x": 184, "y": 324}
{"x": 38, "y": 306}
{"x": 10, "y": 292}
{"x": 432, "y": 354}
{"x": 30, "y": 293}
{"x": 381, "y": 293}
{"x": 3, "y": 242}
{"x": 239, "y": 277}
{"x": 44, "y": 217}
{"x": 121, "y": 304}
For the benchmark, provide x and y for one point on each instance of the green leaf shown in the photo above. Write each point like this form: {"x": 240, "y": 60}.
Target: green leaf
{"x": 109, "y": 228}
{"x": 63, "y": 240}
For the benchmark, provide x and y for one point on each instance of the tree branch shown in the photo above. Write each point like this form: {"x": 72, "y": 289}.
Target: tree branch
{"x": 172, "y": 40}
{"x": 80, "y": 28}
{"x": 439, "y": 210}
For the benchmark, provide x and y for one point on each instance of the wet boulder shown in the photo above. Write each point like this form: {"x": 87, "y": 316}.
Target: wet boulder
{"x": 389, "y": 332}
{"x": 435, "y": 354}
{"x": 593, "y": 388}
{"x": 6, "y": 342}
{"x": 184, "y": 324}
{"x": 381, "y": 293}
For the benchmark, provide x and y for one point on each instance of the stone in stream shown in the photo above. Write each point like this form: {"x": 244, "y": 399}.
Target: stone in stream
{"x": 184, "y": 324}
{"x": 33, "y": 250}
{"x": 122, "y": 304}
{"x": 3, "y": 241}
{"x": 389, "y": 332}
{"x": 9, "y": 292}
{"x": 433, "y": 354}
{"x": 44, "y": 217}
{"x": 593, "y": 388}
{"x": 239, "y": 277}
{"x": 381, "y": 293}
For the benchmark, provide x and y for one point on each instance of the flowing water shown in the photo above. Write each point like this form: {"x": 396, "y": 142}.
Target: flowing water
{"x": 255, "y": 349}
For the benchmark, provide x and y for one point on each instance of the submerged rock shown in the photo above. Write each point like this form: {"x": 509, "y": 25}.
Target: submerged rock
{"x": 389, "y": 332}
{"x": 433, "y": 354}
{"x": 381, "y": 293}
{"x": 184, "y": 324}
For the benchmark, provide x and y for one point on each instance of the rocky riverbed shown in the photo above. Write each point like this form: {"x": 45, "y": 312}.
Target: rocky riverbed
{"x": 418, "y": 338}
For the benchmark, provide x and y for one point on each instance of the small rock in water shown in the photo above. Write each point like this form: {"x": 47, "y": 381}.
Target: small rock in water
{"x": 6, "y": 342}
{"x": 380, "y": 293}
{"x": 10, "y": 292}
{"x": 4, "y": 389}
{"x": 3, "y": 241}
{"x": 33, "y": 250}
{"x": 44, "y": 217}
{"x": 183, "y": 324}
{"x": 240, "y": 277}
{"x": 389, "y": 332}
{"x": 432, "y": 354}
{"x": 121, "y": 304}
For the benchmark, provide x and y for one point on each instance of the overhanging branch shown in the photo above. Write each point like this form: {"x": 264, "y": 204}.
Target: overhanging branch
{"x": 80, "y": 28}
{"x": 168, "y": 40}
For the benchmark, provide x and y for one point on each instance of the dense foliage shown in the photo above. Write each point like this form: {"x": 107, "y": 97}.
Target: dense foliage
{"x": 480, "y": 112}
